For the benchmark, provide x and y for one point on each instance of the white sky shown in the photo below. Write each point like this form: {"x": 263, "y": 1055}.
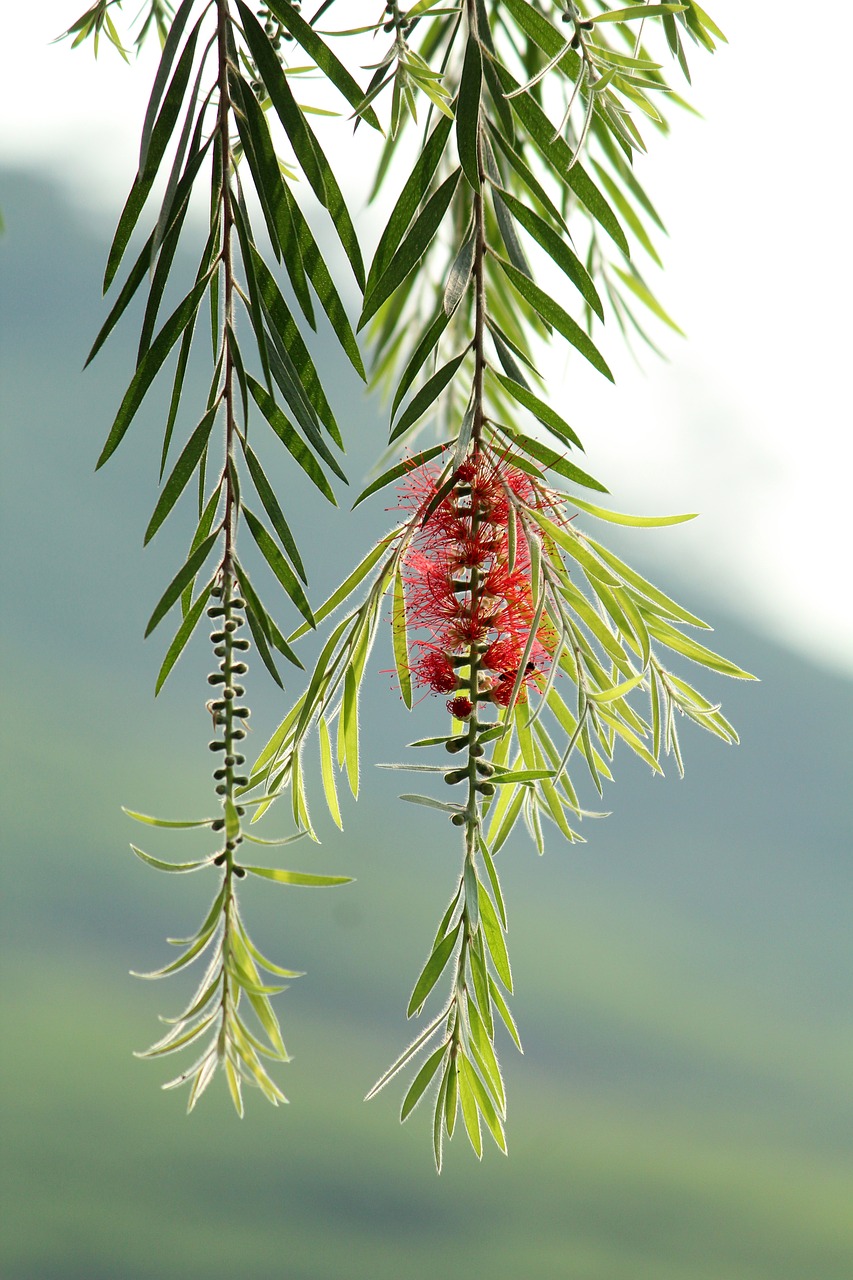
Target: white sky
{"x": 750, "y": 421}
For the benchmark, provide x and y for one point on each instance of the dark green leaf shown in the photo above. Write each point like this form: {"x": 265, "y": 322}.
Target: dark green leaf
{"x": 289, "y": 438}
{"x": 160, "y": 136}
{"x": 427, "y": 344}
{"x": 413, "y": 193}
{"x": 332, "y": 68}
{"x": 546, "y": 415}
{"x": 167, "y": 58}
{"x": 318, "y": 273}
{"x": 288, "y": 332}
{"x": 412, "y": 249}
{"x": 559, "y": 155}
{"x": 181, "y": 472}
{"x": 553, "y": 314}
{"x": 179, "y": 643}
{"x": 305, "y": 146}
{"x": 182, "y": 316}
{"x": 185, "y": 575}
{"x": 274, "y": 511}
{"x": 279, "y": 566}
{"x": 427, "y": 395}
{"x": 468, "y": 112}
{"x": 556, "y": 248}
{"x": 401, "y": 469}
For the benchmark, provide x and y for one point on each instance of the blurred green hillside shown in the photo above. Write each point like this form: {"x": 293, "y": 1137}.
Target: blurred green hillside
{"x": 683, "y": 1108}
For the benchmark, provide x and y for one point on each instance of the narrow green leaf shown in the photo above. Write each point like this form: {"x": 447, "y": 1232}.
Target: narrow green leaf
{"x": 426, "y": 346}
{"x": 493, "y": 934}
{"x": 554, "y": 461}
{"x": 274, "y": 511}
{"x": 467, "y": 1100}
{"x": 459, "y": 277}
{"x": 279, "y": 565}
{"x": 349, "y": 584}
{"x": 327, "y": 771}
{"x": 639, "y": 11}
{"x": 182, "y": 578}
{"x": 468, "y": 112}
{"x": 290, "y": 439}
{"x": 412, "y": 249}
{"x": 638, "y": 522}
{"x": 150, "y": 366}
{"x": 399, "y": 633}
{"x": 332, "y": 68}
{"x": 349, "y": 727}
{"x": 425, "y": 397}
{"x": 429, "y": 803}
{"x": 559, "y": 155}
{"x": 167, "y": 58}
{"x": 305, "y": 146}
{"x": 553, "y": 313}
{"x": 171, "y": 866}
{"x": 181, "y": 472}
{"x": 618, "y": 690}
{"x": 555, "y": 246}
{"x": 421, "y": 1081}
{"x": 433, "y": 970}
{"x": 161, "y": 822}
{"x": 159, "y": 139}
{"x": 401, "y": 469}
{"x": 542, "y": 411}
{"x": 414, "y": 191}
{"x": 301, "y": 878}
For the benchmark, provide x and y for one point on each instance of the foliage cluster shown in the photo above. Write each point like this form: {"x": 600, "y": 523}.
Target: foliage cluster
{"x": 522, "y": 218}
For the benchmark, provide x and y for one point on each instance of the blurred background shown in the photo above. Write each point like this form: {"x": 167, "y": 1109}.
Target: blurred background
{"x": 683, "y": 1107}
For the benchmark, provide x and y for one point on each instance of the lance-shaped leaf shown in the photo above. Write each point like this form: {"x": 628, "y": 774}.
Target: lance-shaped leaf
{"x": 333, "y": 69}
{"x": 554, "y": 461}
{"x": 559, "y": 155}
{"x": 184, "y": 467}
{"x": 421, "y": 1082}
{"x": 185, "y": 575}
{"x": 427, "y": 396}
{"x": 433, "y": 969}
{"x": 412, "y": 195}
{"x": 150, "y": 366}
{"x": 159, "y": 139}
{"x": 170, "y": 866}
{"x": 401, "y": 469}
{"x": 544, "y": 412}
{"x": 412, "y": 249}
{"x": 553, "y": 314}
{"x": 468, "y": 112}
{"x": 556, "y": 248}
{"x": 267, "y": 496}
{"x": 401, "y": 647}
{"x": 305, "y": 145}
{"x": 279, "y": 565}
{"x": 289, "y": 438}
{"x": 302, "y": 879}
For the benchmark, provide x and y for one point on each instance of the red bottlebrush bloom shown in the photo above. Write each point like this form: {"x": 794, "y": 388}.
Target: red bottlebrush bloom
{"x": 460, "y": 588}
{"x": 503, "y": 655}
{"x": 435, "y": 669}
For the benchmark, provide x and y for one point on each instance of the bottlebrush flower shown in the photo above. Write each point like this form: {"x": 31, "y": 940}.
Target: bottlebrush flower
{"x": 460, "y": 587}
